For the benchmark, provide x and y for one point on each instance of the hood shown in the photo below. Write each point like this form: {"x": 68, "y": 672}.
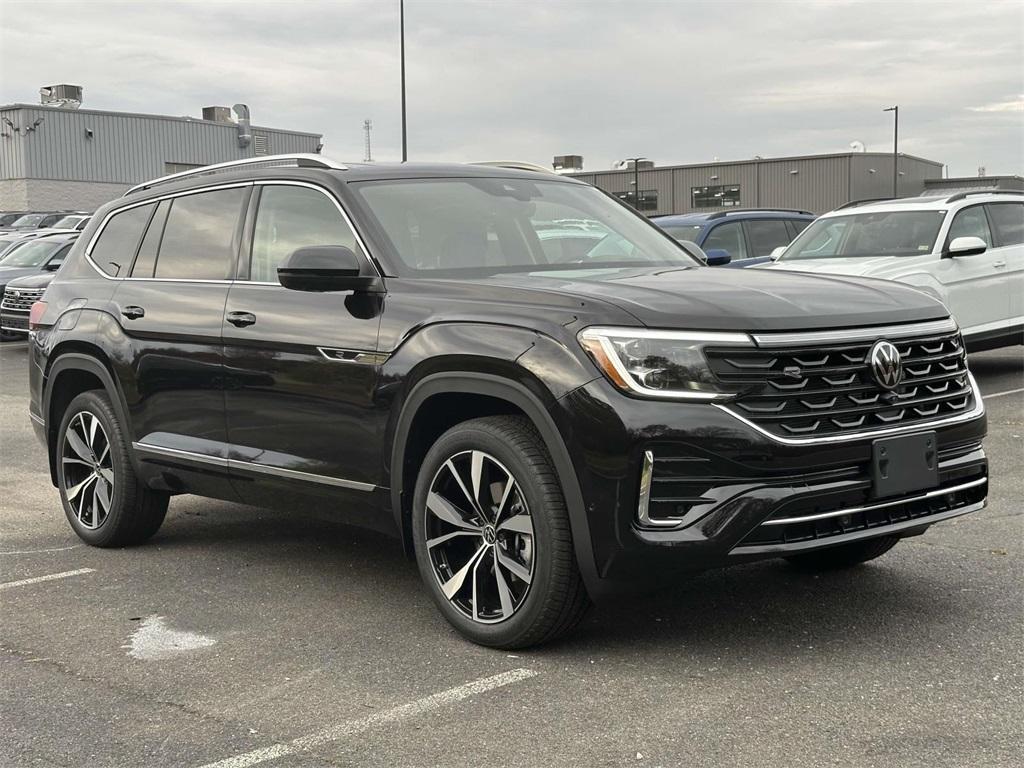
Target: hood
{"x": 875, "y": 266}
{"x": 35, "y": 280}
{"x": 706, "y": 298}
{"x": 11, "y": 273}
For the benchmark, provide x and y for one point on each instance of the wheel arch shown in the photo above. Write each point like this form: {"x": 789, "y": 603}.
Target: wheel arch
{"x": 487, "y": 394}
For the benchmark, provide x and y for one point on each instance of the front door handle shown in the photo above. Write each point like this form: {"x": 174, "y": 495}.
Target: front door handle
{"x": 133, "y": 312}
{"x": 241, "y": 319}
{"x": 999, "y": 264}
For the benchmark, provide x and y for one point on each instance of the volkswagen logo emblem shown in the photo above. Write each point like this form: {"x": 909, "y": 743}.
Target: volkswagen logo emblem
{"x": 885, "y": 364}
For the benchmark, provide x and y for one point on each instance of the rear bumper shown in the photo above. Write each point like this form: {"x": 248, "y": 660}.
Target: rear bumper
{"x": 735, "y": 494}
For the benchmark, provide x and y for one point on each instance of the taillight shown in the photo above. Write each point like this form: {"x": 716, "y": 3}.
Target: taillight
{"x": 36, "y": 314}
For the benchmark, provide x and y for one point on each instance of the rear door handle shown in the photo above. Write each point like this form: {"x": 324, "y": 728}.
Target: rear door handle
{"x": 999, "y": 264}
{"x": 133, "y": 312}
{"x": 241, "y": 319}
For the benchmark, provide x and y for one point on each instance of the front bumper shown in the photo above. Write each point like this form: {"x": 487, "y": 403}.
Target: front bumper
{"x": 733, "y": 493}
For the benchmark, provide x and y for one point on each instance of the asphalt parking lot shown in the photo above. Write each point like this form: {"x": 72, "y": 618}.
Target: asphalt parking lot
{"x": 241, "y": 637}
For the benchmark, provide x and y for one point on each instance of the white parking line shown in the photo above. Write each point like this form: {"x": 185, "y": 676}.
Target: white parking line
{"x": 352, "y": 727}
{"x": 40, "y": 551}
{"x": 1000, "y": 394}
{"x": 49, "y": 577}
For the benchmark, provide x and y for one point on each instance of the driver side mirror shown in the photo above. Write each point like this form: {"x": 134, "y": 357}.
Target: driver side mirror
{"x": 777, "y": 252}
{"x": 966, "y": 246}
{"x": 718, "y": 257}
{"x": 323, "y": 268}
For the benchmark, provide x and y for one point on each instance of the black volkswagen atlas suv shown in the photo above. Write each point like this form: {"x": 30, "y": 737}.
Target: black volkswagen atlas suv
{"x": 545, "y": 398}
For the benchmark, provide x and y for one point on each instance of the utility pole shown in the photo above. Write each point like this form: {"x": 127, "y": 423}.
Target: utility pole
{"x": 895, "y": 109}
{"x": 401, "y": 22}
{"x": 636, "y": 179}
{"x": 367, "y": 155}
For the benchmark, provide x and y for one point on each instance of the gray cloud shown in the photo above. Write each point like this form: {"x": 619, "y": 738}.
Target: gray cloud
{"x": 676, "y": 81}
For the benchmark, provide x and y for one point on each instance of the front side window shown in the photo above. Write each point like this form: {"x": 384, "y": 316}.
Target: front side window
{"x": 858, "y": 235}
{"x": 729, "y": 238}
{"x": 970, "y": 222}
{"x": 767, "y": 235}
{"x": 200, "y": 236}
{"x": 491, "y": 225}
{"x": 1008, "y": 221}
{"x": 115, "y": 249}
{"x": 292, "y": 217}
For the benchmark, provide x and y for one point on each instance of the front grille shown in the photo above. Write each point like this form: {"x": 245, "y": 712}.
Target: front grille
{"x": 21, "y": 299}
{"x": 808, "y": 392}
{"x": 10, "y": 322}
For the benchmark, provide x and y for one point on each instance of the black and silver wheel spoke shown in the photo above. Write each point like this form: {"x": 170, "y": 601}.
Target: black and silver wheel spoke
{"x": 88, "y": 473}
{"x": 479, "y": 536}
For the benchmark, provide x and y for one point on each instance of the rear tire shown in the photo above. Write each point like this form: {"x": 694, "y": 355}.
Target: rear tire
{"x": 103, "y": 499}
{"x": 845, "y": 555}
{"x": 502, "y": 570}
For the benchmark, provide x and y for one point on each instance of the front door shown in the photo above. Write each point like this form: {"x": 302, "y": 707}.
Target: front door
{"x": 301, "y": 367}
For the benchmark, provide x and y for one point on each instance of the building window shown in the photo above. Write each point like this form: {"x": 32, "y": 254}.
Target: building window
{"x": 179, "y": 167}
{"x": 648, "y": 199}
{"x": 718, "y": 196}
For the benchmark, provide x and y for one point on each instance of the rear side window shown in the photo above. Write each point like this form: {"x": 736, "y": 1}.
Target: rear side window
{"x": 727, "y": 237}
{"x": 767, "y": 235}
{"x": 115, "y": 249}
{"x": 289, "y": 218}
{"x": 1008, "y": 221}
{"x": 200, "y": 236}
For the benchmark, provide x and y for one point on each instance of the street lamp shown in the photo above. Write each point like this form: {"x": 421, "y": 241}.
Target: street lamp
{"x": 401, "y": 24}
{"x": 636, "y": 179}
{"x": 895, "y": 109}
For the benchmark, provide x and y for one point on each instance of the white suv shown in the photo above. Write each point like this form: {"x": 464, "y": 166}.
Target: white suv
{"x": 966, "y": 249}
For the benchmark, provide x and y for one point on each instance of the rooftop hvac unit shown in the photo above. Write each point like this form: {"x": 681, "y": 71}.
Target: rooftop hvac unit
{"x": 63, "y": 96}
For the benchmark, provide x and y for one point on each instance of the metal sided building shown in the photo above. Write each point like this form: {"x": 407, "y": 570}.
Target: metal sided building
{"x": 816, "y": 183}
{"x": 55, "y": 156}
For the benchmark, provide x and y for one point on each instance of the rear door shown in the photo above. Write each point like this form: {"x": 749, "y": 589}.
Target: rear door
{"x": 171, "y": 307}
{"x": 301, "y": 367}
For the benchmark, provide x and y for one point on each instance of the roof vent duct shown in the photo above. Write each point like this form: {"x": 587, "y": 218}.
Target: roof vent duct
{"x": 63, "y": 96}
{"x": 244, "y": 129}
{"x": 217, "y": 114}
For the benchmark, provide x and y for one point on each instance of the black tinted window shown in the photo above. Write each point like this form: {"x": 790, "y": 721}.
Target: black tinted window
{"x": 294, "y": 217}
{"x": 114, "y": 251}
{"x": 145, "y": 262}
{"x": 199, "y": 237}
{"x": 765, "y": 236}
{"x": 1008, "y": 220}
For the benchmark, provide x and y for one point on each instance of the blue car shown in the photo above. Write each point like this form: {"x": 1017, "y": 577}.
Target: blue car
{"x": 737, "y": 238}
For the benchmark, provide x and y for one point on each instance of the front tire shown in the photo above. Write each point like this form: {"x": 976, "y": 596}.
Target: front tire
{"x": 103, "y": 500}
{"x": 492, "y": 535}
{"x": 844, "y": 555}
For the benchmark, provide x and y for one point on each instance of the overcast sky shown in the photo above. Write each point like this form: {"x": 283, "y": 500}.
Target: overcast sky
{"x": 528, "y": 79}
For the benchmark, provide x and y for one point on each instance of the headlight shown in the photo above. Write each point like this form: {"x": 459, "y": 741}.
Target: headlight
{"x": 664, "y": 364}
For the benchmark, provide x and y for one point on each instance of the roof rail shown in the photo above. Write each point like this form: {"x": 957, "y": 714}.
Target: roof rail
{"x": 723, "y": 214}
{"x": 301, "y": 160}
{"x": 962, "y": 195}
{"x": 515, "y": 165}
{"x": 865, "y": 201}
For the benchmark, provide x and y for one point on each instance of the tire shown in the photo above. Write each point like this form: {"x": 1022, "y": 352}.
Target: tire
{"x": 844, "y": 555}
{"x": 522, "y": 586}
{"x": 103, "y": 500}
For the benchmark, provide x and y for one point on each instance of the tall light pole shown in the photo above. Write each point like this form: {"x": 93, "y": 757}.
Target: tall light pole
{"x": 636, "y": 179}
{"x": 895, "y": 109}
{"x": 401, "y": 23}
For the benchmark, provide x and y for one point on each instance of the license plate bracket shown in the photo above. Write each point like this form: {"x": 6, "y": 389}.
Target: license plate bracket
{"x": 903, "y": 464}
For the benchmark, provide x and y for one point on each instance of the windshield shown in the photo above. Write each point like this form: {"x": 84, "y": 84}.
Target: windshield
{"x": 29, "y": 220}
{"x": 486, "y": 225}
{"x": 34, "y": 253}
{"x": 6, "y": 219}
{"x": 688, "y": 232}
{"x": 891, "y": 233}
{"x": 68, "y": 222}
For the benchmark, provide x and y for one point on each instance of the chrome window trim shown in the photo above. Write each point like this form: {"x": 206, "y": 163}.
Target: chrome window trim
{"x": 881, "y": 505}
{"x": 845, "y": 437}
{"x": 855, "y": 334}
{"x": 237, "y": 464}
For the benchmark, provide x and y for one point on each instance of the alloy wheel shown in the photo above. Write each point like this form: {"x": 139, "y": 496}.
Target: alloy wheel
{"x": 88, "y": 471}
{"x": 479, "y": 537}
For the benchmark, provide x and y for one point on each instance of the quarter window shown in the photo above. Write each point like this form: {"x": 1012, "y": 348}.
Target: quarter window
{"x": 115, "y": 249}
{"x": 200, "y": 235}
{"x": 767, "y": 235}
{"x": 1008, "y": 222}
{"x": 970, "y": 222}
{"x": 290, "y": 218}
{"x": 727, "y": 237}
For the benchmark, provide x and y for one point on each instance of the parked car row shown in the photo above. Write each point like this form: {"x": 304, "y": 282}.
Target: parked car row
{"x": 541, "y": 395}
{"x": 29, "y": 220}
{"x": 38, "y": 259}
